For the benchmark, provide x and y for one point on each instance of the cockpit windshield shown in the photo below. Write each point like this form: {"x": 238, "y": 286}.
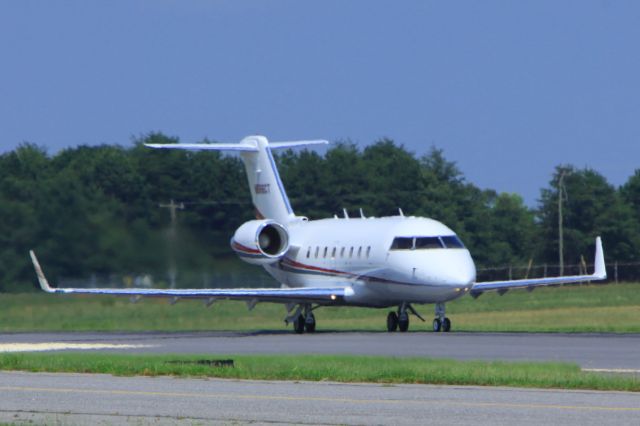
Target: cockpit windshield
{"x": 402, "y": 243}
{"x": 423, "y": 243}
{"x": 428, "y": 243}
{"x": 452, "y": 241}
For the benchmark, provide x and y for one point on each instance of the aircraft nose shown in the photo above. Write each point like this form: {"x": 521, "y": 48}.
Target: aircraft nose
{"x": 460, "y": 273}
{"x": 465, "y": 275}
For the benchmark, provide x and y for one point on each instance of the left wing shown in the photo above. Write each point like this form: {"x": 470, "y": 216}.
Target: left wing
{"x": 322, "y": 295}
{"x": 600, "y": 273}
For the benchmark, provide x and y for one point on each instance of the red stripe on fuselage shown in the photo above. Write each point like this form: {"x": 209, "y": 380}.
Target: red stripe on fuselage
{"x": 239, "y": 247}
{"x": 295, "y": 264}
{"x": 334, "y": 272}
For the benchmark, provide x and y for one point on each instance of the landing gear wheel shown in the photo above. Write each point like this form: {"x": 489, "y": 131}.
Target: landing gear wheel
{"x": 392, "y": 321}
{"x": 437, "y": 325}
{"x": 298, "y": 324}
{"x": 310, "y": 323}
{"x": 446, "y": 325}
{"x": 403, "y": 322}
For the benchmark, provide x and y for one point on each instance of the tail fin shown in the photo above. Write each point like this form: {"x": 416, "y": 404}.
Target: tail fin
{"x": 267, "y": 192}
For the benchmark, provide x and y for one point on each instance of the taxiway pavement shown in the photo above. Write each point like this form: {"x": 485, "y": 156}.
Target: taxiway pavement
{"x": 597, "y": 351}
{"x": 90, "y": 399}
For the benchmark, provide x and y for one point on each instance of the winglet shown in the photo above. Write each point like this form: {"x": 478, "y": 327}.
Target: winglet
{"x": 44, "y": 284}
{"x": 600, "y": 269}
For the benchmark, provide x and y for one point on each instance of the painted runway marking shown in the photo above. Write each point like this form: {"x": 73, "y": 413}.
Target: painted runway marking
{"x": 58, "y": 346}
{"x": 612, "y": 370}
{"x": 317, "y": 399}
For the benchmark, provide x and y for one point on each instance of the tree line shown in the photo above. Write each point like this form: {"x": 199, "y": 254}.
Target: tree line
{"x": 95, "y": 209}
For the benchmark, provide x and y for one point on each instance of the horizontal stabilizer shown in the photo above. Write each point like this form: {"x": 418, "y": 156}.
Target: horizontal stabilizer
{"x": 247, "y": 145}
{"x": 204, "y": 146}
{"x": 293, "y": 144}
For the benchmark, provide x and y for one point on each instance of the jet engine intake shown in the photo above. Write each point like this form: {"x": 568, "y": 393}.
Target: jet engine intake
{"x": 260, "y": 242}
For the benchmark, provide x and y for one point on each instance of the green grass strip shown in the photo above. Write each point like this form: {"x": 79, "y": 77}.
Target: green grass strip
{"x": 612, "y": 308}
{"x": 344, "y": 368}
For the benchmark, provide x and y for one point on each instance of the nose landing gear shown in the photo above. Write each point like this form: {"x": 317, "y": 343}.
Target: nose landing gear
{"x": 441, "y": 322}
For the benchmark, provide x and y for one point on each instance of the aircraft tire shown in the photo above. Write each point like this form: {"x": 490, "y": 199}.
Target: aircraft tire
{"x": 310, "y": 326}
{"x": 298, "y": 324}
{"x": 392, "y": 322}
{"x": 437, "y": 325}
{"x": 446, "y": 325}
{"x": 403, "y": 323}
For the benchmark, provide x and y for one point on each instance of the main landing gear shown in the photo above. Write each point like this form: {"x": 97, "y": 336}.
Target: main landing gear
{"x": 400, "y": 319}
{"x": 303, "y": 319}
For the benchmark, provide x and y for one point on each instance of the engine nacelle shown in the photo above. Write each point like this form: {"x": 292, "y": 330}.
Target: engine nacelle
{"x": 260, "y": 242}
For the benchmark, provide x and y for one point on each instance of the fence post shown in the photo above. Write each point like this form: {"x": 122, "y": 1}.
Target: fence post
{"x": 526, "y": 275}
{"x": 615, "y": 272}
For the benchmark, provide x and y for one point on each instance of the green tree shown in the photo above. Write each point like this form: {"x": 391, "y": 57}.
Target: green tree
{"x": 591, "y": 207}
{"x": 630, "y": 193}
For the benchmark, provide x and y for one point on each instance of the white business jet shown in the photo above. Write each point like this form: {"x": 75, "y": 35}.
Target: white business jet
{"x": 396, "y": 261}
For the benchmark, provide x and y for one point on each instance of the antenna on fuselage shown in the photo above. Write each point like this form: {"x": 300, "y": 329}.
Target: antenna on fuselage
{"x": 400, "y": 211}
{"x": 362, "y": 213}
{"x": 346, "y": 215}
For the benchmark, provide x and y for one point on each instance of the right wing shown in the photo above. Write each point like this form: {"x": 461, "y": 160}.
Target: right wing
{"x": 599, "y": 273}
{"x": 320, "y": 295}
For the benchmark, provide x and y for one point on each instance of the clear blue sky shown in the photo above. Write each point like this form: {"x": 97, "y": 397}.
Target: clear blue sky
{"x": 508, "y": 89}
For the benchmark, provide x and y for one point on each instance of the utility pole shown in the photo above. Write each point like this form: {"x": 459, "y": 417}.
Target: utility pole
{"x": 561, "y": 191}
{"x": 171, "y": 238}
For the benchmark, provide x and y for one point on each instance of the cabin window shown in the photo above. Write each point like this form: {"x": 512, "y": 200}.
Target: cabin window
{"x": 402, "y": 243}
{"x": 452, "y": 241}
{"x": 325, "y": 253}
{"x": 342, "y": 252}
{"x": 308, "y": 252}
{"x": 368, "y": 251}
{"x": 317, "y": 250}
{"x": 333, "y": 253}
{"x": 350, "y": 252}
{"x": 359, "y": 252}
{"x": 428, "y": 243}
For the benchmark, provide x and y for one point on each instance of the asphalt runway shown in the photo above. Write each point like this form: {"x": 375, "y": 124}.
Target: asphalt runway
{"x": 591, "y": 351}
{"x": 101, "y": 399}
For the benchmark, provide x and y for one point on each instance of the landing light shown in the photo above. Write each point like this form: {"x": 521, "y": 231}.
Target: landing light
{"x": 333, "y": 297}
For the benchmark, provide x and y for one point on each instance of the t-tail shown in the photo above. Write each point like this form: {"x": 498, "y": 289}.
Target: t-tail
{"x": 267, "y": 192}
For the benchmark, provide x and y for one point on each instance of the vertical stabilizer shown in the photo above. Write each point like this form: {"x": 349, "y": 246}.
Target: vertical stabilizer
{"x": 267, "y": 192}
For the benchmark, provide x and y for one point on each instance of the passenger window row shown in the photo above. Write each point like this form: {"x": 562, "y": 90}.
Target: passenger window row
{"x": 322, "y": 252}
{"x": 421, "y": 243}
